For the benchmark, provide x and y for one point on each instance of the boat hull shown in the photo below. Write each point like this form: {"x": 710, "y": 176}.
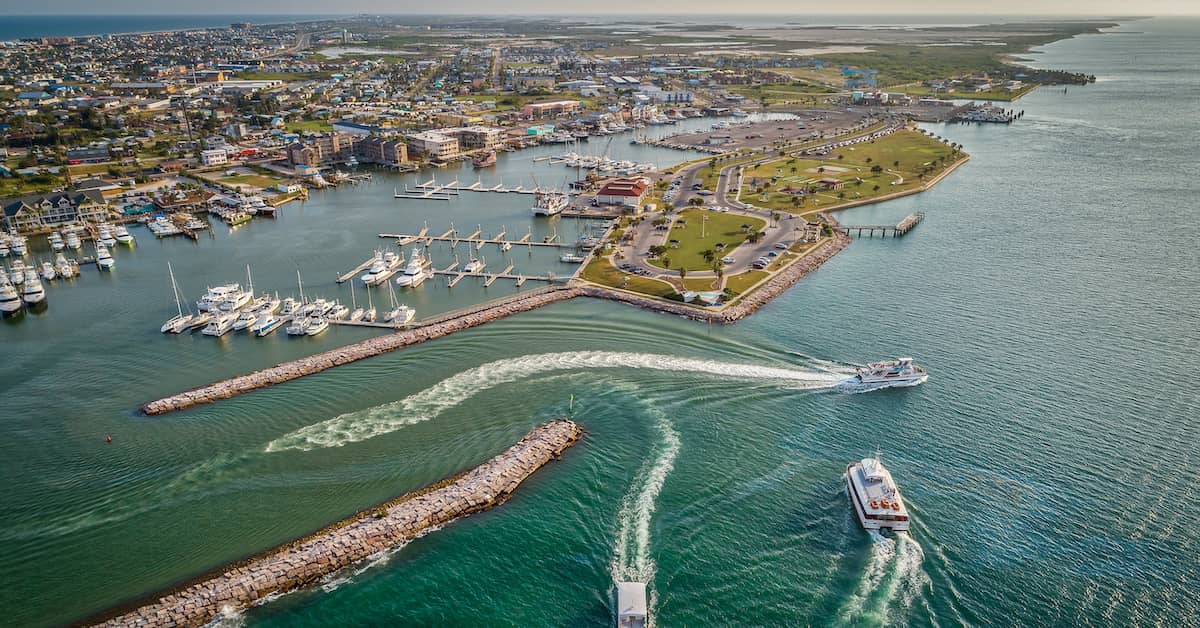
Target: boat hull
{"x": 860, "y": 511}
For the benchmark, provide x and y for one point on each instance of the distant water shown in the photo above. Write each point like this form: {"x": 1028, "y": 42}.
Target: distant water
{"x": 18, "y": 26}
{"x": 1049, "y": 462}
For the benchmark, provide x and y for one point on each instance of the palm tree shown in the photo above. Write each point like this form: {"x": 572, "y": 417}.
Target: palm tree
{"x": 720, "y": 270}
{"x": 666, "y": 262}
{"x": 682, "y": 276}
{"x": 709, "y": 255}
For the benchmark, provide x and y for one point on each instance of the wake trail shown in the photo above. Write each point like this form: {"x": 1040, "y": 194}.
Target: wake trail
{"x": 361, "y": 425}
{"x": 893, "y": 575}
{"x": 632, "y": 560}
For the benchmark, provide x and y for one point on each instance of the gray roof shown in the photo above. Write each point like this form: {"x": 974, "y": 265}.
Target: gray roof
{"x": 14, "y": 204}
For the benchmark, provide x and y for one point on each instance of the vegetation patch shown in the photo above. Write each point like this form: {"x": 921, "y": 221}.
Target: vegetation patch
{"x": 698, "y": 237}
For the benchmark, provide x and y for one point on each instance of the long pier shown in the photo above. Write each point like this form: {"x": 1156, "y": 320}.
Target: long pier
{"x": 450, "y": 236}
{"x": 897, "y": 230}
{"x": 354, "y": 539}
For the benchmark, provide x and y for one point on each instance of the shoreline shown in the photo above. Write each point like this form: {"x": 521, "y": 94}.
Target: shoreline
{"x": 302, "y": 562}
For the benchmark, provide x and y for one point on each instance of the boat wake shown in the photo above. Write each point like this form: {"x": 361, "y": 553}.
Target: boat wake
{"x": 853, "y": 387}
{"x": 893, "y": 576}
{"x": 357, "y": 426}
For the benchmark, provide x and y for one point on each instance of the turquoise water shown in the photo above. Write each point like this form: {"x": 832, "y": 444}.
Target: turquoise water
{"x": 1051, "y": 292}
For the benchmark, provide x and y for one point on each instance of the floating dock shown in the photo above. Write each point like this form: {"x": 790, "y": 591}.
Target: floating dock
{"x": 360, "y": 537}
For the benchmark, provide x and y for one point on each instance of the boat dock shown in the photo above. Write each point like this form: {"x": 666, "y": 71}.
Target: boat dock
{"x": 306, "y": 561}
{"x": 357, "y": 269}
{"x": 452, "y": 237}
{"x": 897, "y": 230}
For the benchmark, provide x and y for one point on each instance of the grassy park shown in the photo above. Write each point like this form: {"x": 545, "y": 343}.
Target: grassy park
{"x": 600, "y": 270}
{"x": 696, "y": 235}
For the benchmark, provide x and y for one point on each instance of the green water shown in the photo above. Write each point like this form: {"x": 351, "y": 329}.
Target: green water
{"x": 1051, "y": 292}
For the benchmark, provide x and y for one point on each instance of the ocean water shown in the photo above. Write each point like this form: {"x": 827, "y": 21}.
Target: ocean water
{"x": 1051, "y": 292}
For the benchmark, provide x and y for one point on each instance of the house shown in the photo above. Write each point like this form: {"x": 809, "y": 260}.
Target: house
{"x": 38, "y": 211}
{"x": 214, "y": 157}
{"x": 623, "y": 192}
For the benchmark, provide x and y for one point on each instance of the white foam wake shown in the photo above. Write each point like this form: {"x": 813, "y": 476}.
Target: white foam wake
{"x": 357, "y": 426}
{"x": 632, "y": 560}
{"x": 893, "y": 574}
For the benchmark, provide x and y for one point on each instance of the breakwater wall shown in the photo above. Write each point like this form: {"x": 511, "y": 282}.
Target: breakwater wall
{"x": 352, "y": 353}
{"x": 351, "y": 540}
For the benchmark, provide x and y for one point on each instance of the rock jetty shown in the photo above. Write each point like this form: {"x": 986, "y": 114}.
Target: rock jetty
{"x": 357, "y": 538}
{"x": 352, "y": 353}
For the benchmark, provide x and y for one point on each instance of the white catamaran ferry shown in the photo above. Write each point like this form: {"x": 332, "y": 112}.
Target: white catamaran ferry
{"x": 899, "y": 372}
{"x": 875, "y": 497}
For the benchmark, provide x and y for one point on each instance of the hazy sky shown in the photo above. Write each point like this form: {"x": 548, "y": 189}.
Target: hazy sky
{"x": 605, "y": 7}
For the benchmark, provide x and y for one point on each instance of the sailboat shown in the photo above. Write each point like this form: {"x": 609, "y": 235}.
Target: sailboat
{"x": 369, "y": 315}
{"x": 180, "y": 321}
{"x": 357, "y": 312}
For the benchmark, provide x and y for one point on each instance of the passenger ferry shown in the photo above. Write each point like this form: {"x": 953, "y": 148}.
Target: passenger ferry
{"x": 900, "y": 372}
{"x": 549, "y": 203}
{"x": 631, "y": 605}
{"x": 875, "y": 497}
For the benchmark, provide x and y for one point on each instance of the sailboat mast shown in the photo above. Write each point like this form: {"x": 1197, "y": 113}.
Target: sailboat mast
{"x": 175, "y": 289}
{"x": 249, "y": 280}
{"x": 301, "y": 284}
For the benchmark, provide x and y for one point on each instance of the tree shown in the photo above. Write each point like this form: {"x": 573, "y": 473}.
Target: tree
{"x": 719, "y": 269}
{"x": 666, "y": 262}
{"x": 876, "y": 188}
{"x": 820, "y": 169}
{"x": 695, "y": 201}
{"x": 682, "y": 274}
{"x": 896, "y": 164}
{"x": 709, "y": 255}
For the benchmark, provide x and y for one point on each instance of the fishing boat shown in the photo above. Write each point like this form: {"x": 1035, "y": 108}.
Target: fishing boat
{"x": 485, "y": 160}
{"x": 475, "y": 265}
{"x": 16, "y": 273}
{"x": 48, "y": 272}
{"x": 10, "y": 299}
{"x": 339, "y": 312}
{"x": 875, "y": 497}
{"x": 19, "y": 245}
{"x": 549, "y": 203}
{"x": 899, "y": 372}
{"x": 416, "y": 272}
{"x": 382, "y": 269}
{"x": 104, "y": 235}
{"x": 316, "y": 325}
{"x": 178, "y": 323}
{"x": 268, "y": 326}
{"x": 32, "y": 292}
{"x": 104, "y": 259}
{"x": 122, "y": 235}
{"x": 288, "y": 307}
{"x": 572, "y": 258}
{"x": 72, "y": 241}
{"x": 56, "y": 241}
{"x": 220, "y": 325}
{"x": 245, "y": 319}
{"x": 64, "y": 267}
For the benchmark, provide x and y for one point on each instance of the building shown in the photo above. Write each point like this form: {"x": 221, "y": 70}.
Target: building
{"x": 550, "y": 108}
{"x": 434, "y": 145}
{"x": 377, "y": 150}
{"x": 829, "y": 183}
{"x": 623, "y": 192}
{"x": 322, "y": 150}
{"x": 477, "y": 137}
{"x": 39, "y": 211}
{"x": 354, "y": 128}
{"x": 528, "y": 83}
{"x": 214, "y": 157}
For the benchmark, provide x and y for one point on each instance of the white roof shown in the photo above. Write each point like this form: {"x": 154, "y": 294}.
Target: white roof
{"x": 631, "y": 599}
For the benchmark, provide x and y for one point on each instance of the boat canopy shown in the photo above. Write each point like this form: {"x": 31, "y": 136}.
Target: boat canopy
{"x": 873, "y": 469}
{"x": 631, "y": 600}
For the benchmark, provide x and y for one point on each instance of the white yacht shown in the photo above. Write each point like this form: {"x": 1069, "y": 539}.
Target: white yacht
{"x": 198, "y": 320}
{"x": 104, "y": 259}
{"x": 220, "y": 325}
{"x": 474, "y": 266}
{"x": 316, "y": 325}
{"x": 631, "y": 605}
{"x": 339, "y": 312}
{"x": 266, "y": 325}
{"x": 384, "y": 266}
{"x": 56, "y": 241}
{"x": 401, "y": 315}
{"x": 899, "y": 372}
{"x": 72, "y": 241}
{"x": 122, "y": 235}
{"x": 64, "y": 267}
{"x": 18, "y": 244}
{"x": 10, "y": 300}
{"x": 369, "y": 315}
{"x": 549, "y": 203}
{"x": 48, "y": 272}
{"x": 875, "y": 497}
{"x": 104, "y": 235}
{"x": 32, "y": 292}
{"x": 247, "y": 318}
{"x": 16, "y": 272}
{"x": 416, "y": 272}
{"x": 299, "y": 326}
{"x": 287, "y": 307}
{"x": 572, "y": 258}
{"x": 212, "y": 300}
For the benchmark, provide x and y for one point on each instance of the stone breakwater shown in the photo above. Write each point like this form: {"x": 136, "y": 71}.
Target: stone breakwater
{"x": 357, "y": 538}
{"x": 352, "y": 353}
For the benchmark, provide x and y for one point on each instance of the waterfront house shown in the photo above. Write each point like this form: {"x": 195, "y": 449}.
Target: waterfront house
{"x": 40, "y": 211}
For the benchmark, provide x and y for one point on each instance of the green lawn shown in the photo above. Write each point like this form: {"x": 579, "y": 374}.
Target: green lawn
{"x": 741, "y": 282}
{"x": 256, "y": 180}
{"x": 904, "y": 157}
{"x": 779, "y": 93}
{"x": 601, "y": 271}
{"x": 995, "y": 94}
{"x": 719, "y": 228}
{"x": 315, "y": 126}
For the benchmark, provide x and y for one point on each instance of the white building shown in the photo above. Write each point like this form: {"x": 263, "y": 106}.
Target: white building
{"x": 214, "y": 157}
{"x": 434, "y": 145}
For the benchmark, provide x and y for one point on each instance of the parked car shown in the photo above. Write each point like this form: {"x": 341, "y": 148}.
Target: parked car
{"x": 727, "y": 260}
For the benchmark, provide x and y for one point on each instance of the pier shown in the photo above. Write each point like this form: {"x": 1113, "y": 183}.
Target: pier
{"x": 897, "y": 230}
{"x": 357, "y": 538}
{"x": 452, "y": 237}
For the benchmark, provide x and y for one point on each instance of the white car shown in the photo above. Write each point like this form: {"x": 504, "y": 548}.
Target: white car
{"x": 727, "y": 260}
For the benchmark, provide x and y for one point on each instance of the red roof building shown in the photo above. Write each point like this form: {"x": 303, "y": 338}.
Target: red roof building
{"x": 626, "y": 192}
